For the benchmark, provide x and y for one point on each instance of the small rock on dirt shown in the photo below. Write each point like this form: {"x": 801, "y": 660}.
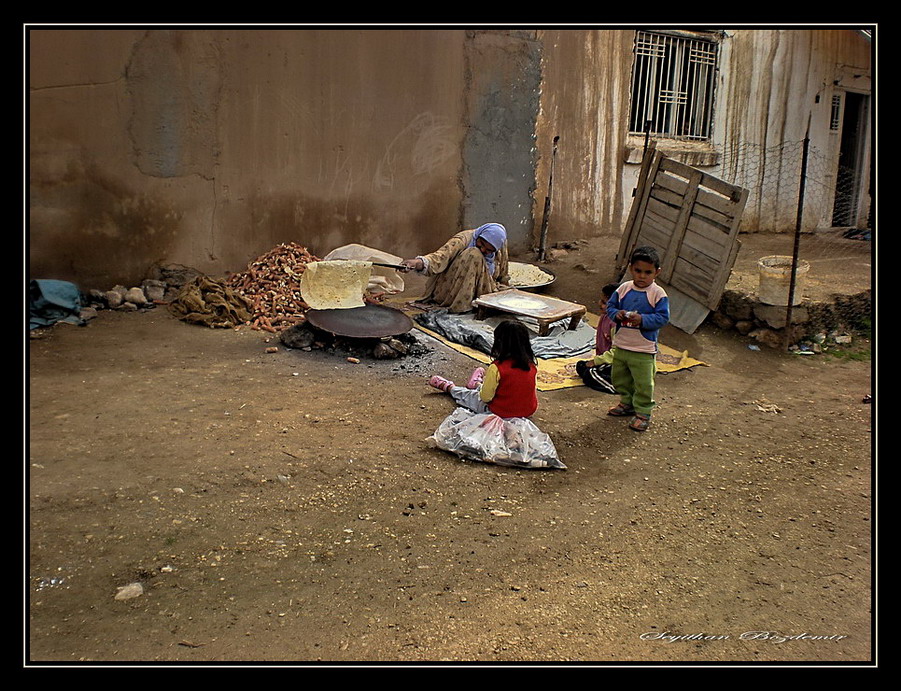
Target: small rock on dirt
{"x": 153, "y": 289}
{"x": 127, "y": 592}
{"x": 383, "y": 351}
{"x": 298, "y": 336}
{"x": 136, "y": 296}
{"x": 113, "y": 298}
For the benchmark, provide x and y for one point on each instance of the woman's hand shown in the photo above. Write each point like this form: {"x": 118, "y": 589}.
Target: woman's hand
{"x": 413, "y": 264}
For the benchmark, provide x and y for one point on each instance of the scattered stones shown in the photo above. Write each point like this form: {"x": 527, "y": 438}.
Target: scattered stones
{"x": 722, "y": 321}
{"x": 136, "y": 297}
{"x": 736, "y": 305}
{"x": 553, "y": 255}
{"x": 150, "y": 293}
{"x": 161, "y": 288}
{"x": 810, "y": 321}
{"x": 113, "y": 299}
{"x": 172, "y": 277}
{"x": 306, "y": 337}
{"x": 154, "y": 290}
{"x": 571, "y": 244}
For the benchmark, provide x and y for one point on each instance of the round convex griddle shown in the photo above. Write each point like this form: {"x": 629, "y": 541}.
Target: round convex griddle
{"x": 368, "y": 321}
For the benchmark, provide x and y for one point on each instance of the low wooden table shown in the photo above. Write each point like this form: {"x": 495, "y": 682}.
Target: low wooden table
{"x": 546, "y": 310}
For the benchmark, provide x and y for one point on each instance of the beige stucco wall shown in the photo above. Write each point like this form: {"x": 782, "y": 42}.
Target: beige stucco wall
{"x": 585, "y": 101}
{"x": 209, "y": 147}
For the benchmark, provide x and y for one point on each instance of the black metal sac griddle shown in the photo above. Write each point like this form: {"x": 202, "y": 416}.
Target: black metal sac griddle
{"x": 368, "y": 321}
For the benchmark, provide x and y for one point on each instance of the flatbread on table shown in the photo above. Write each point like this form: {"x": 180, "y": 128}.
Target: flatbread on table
{"x": 336, "y": 284}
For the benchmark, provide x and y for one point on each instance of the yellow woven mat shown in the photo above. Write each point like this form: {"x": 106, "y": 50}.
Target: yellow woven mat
{"x": 560, "y": 373}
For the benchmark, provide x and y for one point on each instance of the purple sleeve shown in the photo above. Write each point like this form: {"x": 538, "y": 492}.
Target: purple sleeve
{"x": 604, "y": 339}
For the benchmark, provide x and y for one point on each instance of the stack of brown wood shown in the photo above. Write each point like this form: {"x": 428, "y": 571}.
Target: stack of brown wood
{"x": 271, "y": 285}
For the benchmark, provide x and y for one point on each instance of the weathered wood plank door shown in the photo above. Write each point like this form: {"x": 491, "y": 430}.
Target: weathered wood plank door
{"x": 691, "y": 218}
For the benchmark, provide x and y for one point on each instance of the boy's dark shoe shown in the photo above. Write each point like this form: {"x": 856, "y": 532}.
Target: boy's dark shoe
{"x": 640, "y": 422}
{"x": 620, "y": 410}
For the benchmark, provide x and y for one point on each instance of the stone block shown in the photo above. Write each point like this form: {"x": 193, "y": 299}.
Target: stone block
{"x": 774, "y": 315}
{"x": 736, "y": 305}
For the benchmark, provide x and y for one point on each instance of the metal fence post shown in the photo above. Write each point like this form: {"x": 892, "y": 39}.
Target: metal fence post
{"x": 792, "y": 281}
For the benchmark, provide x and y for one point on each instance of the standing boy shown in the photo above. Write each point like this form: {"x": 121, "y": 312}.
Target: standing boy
{"x": 639, "y": 308}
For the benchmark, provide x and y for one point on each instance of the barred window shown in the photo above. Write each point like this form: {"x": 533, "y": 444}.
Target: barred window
{"x": 836, "y": 115}
{"x": 673, "y": 80}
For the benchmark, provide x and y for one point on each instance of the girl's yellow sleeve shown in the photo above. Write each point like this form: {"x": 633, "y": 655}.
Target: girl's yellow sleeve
{"x": 489, "y": 383}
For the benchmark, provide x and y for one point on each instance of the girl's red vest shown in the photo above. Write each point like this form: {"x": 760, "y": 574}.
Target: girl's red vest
{"x": 516, "y": 395}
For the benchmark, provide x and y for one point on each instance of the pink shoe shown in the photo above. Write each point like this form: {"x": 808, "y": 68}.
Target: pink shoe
{"x": 476, "y": 378}
{"x": 441, "y": 383}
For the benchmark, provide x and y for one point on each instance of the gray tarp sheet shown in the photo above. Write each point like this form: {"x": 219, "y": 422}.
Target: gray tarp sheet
{"x": 466, "y": 330}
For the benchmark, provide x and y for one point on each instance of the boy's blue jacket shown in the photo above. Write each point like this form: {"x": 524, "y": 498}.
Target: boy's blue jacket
{"x": 651, "y": 303}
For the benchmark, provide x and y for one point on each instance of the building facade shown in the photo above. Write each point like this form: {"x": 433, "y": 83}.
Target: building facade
{"x": 207, "y": 147}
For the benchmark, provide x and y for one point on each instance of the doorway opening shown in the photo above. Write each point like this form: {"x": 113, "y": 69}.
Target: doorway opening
{"x": 849, "y": 181}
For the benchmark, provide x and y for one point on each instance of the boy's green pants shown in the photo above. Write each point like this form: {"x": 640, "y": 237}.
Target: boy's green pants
{"x": 633, "y": 376}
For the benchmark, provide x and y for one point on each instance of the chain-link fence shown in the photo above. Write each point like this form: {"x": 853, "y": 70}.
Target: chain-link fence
{"x": 813, "y": 211}
{"x": 834, "y": 194}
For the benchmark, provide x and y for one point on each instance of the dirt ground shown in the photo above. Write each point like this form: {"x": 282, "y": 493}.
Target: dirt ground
{"x": 285, "y": 507}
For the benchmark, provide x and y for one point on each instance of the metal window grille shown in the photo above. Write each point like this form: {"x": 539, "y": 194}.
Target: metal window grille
{"x": 673, "y": 81}
{"x": 835, "y": 119}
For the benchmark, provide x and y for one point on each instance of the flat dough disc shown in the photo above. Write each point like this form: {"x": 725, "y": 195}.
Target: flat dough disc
{"x": 337, "y": 284}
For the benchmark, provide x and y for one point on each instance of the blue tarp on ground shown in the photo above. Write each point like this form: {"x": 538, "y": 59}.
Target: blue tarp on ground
{"x": 52, "y": 301}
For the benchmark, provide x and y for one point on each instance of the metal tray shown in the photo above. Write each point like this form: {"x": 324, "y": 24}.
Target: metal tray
{"x": 553, "y": 276}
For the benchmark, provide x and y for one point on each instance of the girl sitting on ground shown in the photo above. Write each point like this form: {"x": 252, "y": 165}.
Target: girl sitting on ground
{"x": 507, "y": 388}
{"x": 492, "y": 420}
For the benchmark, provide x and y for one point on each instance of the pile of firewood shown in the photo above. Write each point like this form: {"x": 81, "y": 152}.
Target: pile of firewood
{"x": 271, "y": 284}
